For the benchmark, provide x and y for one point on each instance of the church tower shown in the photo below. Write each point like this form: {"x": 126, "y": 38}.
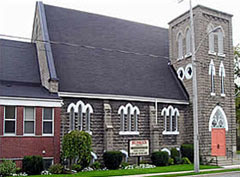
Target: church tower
{"x": 215, "y": 77}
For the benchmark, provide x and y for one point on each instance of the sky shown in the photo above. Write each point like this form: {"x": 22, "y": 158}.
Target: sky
{"x": 16, "y": 16}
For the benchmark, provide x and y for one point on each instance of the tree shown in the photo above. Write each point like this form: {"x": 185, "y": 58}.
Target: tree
{"x": 77, "y": 148}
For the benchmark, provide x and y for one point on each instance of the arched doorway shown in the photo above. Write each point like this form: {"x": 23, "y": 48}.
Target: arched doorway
{"x": 218, "y": 126}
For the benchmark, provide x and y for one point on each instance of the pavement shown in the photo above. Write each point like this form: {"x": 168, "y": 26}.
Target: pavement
{"x": 226, "y": 174}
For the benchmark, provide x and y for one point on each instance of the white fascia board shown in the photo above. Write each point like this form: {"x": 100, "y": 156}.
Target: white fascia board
{"x": 20, "y": 101}
{"x": 121, "y": 97}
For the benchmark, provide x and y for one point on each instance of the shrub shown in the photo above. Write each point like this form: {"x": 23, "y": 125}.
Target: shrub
{"x": 187, "y": 151}
{"x": 7, "y": 168}
{"x": 175, "y": 155}
{"x": 124, "y": 165}
{"x": 160, "y": 158}
{"x": 56, "y": 169}
{"x": 185, "y": 160}
{"x": 178, "y": 160}
{"x": 112, "y": 159}
{"x": 171, "y": 161}
{"x": 32, "y": 165}
{"x": 96, "y": 165}
{"x": 77, "y": 167}
{"x": 238, "y": 143}
{"x": 77, "y": 145}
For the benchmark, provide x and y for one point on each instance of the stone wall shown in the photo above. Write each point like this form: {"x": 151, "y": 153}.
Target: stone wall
{"x": 105, "y": 125}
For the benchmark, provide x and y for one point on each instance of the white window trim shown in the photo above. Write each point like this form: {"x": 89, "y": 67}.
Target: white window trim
{"x": 223, "y": 95}
{"x": 170, "y": 133}
{"x": 179, "y": 59}
{"x": 186, "y": 72}
{"x": 213, "y": 94}
{"x": 10, "y": 134}
{"x": 189, "y": 54}
{"x": 48, "y": 134}
{"x": 222, "y": 55}
{"x": 175, "y": 113}
{"x": 129, "y": 133}
{"x": 211, "y": 72}
{"x": 34, "y": 124}
{"x": 212, "y": 53}
{"x": 181, "y": 69}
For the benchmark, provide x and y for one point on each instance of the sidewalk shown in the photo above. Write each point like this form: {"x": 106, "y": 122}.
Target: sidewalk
{"x": 181, "y": 172}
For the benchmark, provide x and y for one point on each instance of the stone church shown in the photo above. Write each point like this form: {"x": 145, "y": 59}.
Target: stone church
{"x": 117, "y": 80}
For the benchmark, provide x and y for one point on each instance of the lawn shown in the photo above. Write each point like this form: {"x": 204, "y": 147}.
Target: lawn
{"x": 135, "y": 171}
{"x": 238, "y": 152}
{"x": 206, "y": 172}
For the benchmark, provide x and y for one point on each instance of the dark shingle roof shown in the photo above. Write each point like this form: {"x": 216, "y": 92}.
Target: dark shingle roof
{"x": 19, "y": 73}
{"x": 87, "y": 70}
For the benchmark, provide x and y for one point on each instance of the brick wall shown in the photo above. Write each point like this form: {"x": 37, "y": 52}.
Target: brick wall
{"x": 16, "y": 147}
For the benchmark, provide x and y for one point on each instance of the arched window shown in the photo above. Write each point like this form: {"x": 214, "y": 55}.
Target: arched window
{"x": 80, "y": 117}
{"x": 83, "y": 115}
{"x": 212, "y": 74}
{"x": 170, "y": 115}
{"x": 218, "y": 119}
{"x": 188, "y": 71}
{"x": 180, "y": 46}
{"x": 220, "y": 42}
{"x": 188, "y": 43}
{"x": 128, "y": 119}
{"x": 222, "y": 75}
{"x": 180, "y": 73}
{"x": 211, "y": 39}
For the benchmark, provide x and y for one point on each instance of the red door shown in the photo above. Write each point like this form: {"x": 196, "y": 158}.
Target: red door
{"x": 218, "y": 142}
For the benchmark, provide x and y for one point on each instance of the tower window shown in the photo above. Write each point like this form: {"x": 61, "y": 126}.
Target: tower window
{"x": 188, "y": 71}
{"x": 180, "y": 73}
{"x": 222, "y": 75}
{"x": 212, "y": 74}
{"x": 188, "y": 43}
{"x": 180, "y": 46}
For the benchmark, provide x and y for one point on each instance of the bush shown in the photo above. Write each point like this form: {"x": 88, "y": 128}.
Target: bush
{"x": 160, "y": 158}
{"x": 56, "y": 169}
{"x": 32, "y": 165}
{"x": 96, "y": 165}
{"x": 185, "y": 160}
{"x": 171, "y": 161}
{"x": 112, "y": 159}
{"x": 7, "y": 168}
{"x": 175, "y": 155}
{"x": 187, "y": 151}
{"x": 178, "y": 160}
{"x": 77, "y": 167}
{"x": 77, "y": 145}
{"x": 124, "y": 165}
{"x": 238, "y": 143}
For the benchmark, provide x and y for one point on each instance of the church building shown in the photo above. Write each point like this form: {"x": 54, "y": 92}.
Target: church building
{"x": 117, "y": 80}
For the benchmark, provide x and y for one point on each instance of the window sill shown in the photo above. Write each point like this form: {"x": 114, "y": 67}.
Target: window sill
{"x": 170, "y": 133}
{"x": 89, "y": 132}
{"x": 128, "y": 133}
{"x": 179, "y": 59}
{"x": 221, "y": 55}
{"x": 28, "y": 134}
{"x": 9, "y": 134}
{"x": 212, "y": 52}
{"x": 213, "y": 94}
{"x": 47, "y": 134}
{"x": 188, "y": 55}
{"x": 223, "y": 95}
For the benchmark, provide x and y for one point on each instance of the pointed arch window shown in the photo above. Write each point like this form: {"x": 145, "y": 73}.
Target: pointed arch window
{"x": 83, "y": 112}
{"x": 218, "y": 119}
{"x": 222, "y": 75}
{"x": 188, "y": 43}
{"x": 128, "y": 119}
{"x": 180, "y": 46}
{"x": 212, "y": 74}
{"x": 220, "y": 42}
{"x": 170, "y": 115}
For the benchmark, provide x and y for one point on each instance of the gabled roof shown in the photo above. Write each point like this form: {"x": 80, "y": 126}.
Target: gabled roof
{"x": 19, "y": 73}
{"x": 98, "y": 70}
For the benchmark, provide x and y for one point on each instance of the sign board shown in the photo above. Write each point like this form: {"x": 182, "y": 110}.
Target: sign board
{"x": 138, "y": 148}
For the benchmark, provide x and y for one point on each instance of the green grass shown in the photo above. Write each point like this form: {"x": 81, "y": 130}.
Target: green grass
{"x": 238, "y": 152}
{"x": 172, "y": 168}
{"x": 206, "y": 172}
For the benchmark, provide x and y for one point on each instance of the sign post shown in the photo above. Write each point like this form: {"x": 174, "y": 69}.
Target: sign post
{"x": 138, "y": 148}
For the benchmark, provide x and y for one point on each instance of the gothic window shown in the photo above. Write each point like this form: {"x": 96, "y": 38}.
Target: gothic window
{"x": 170, "y": 115}
{"x": 188, "y": 43}
{"x": 222, "y": 75}
{"x": 220, "y": 42}
{"x": 218, "y": 119}
{"x": 128, "y": 119}
{"x": 180, "y": 73}
{"x": 212, "y": 74}
{"x": 188, "y": 71}
{"x": 83, "y": 112}
{"x": 180, "y": 46}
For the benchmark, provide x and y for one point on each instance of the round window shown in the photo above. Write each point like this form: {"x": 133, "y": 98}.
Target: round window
{"x": 180, "y": 73}
{"x": 188, "y": 71}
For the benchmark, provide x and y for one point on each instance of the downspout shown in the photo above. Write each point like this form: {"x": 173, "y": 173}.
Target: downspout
{"x": 156, "y": 115}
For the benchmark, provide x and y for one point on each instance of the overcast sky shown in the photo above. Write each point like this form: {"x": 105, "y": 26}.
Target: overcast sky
{"x": 16, "y": 16}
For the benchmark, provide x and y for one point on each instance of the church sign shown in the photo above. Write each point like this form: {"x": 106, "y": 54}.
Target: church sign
{"x": 138, "y": 148}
